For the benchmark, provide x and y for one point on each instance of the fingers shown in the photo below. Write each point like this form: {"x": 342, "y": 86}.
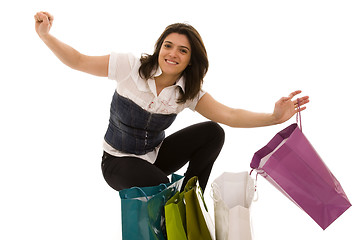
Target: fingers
{"x": 50, "y": 17}
{"x": 302, "y": 100}
{"x": 43, "y": 23}
{"x": 301, "y": 109}
{"x": 37, "y": 17}
{"x": 284, "y": 99}
{"x": 44, "y": 17}
{"x": 294, "y": 93}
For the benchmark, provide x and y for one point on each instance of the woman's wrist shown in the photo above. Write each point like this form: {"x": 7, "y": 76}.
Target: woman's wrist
{"x": 45, "y": 36}
{"x": 273, "y": 119}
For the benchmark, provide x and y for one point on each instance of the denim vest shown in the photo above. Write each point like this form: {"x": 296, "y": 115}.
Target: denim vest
{"x": 134, "y": 130}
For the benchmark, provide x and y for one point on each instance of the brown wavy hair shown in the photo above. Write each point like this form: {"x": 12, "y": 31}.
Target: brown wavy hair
{"x": 194, "y": 73}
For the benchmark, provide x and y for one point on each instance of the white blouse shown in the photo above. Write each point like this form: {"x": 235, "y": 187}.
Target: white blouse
{"x": 124, "y": 68}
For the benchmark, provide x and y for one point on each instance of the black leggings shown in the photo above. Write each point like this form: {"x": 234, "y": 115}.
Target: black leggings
{"x": 199, "y": 144}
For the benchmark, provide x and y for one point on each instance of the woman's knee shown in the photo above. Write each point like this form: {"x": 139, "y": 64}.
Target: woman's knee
{"x": 216, "y": 131}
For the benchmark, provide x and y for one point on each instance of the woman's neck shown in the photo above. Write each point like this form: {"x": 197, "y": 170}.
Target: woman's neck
{"x": 164, "y": 81}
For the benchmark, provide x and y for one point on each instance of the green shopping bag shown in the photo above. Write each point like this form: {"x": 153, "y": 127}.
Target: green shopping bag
{"x": 175, "y": 218}
{"x": 142, "y": 210}
{"x": 189, "y": 220}
{"x": 198, "y": 221}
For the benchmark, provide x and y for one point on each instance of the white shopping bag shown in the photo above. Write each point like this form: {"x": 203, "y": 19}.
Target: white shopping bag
{"x": 233, "y": 194}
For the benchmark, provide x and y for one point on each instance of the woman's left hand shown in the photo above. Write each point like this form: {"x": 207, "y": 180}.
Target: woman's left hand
{"x": 285, "y": 108}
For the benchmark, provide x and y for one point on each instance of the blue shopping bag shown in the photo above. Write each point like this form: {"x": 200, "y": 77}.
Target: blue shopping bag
{"x": 142, "y": 210}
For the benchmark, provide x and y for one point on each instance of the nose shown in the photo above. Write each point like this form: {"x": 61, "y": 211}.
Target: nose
{"x": 173, "y": 53}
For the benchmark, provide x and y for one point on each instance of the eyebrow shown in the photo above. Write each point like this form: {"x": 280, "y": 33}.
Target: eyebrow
{"x": 180, "y": 46}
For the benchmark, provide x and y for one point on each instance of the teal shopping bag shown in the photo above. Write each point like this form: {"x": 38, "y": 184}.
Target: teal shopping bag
{"x": 142, "y": 210}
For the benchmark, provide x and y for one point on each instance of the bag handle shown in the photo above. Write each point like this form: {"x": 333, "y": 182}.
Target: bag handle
{"x": 215, "y": 190}
{"x": 142, "y": 191}
{"x": 298, "y": 115}
{"x": 256, "y": 192}
{"x": 145, "y": 195}
{"x": 164, "y": 185}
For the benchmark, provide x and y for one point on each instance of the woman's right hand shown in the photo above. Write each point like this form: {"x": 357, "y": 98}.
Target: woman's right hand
{"x": 43, "y": 23}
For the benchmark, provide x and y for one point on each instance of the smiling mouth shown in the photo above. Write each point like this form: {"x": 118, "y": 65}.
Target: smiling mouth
{"x": 171, "y": 62}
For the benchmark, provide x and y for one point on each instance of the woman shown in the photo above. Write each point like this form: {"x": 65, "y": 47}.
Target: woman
{"x": 150, "y": 92}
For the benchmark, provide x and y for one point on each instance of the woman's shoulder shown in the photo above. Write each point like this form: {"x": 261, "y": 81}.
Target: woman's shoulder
{"x": 191, "y": 103}
{"x": 123, "y": 64}
{"x": 125, "y": 58}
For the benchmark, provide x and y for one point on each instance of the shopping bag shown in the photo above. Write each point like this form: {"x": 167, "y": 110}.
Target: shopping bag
{"x": 187, "y": 216}
{"x": 199, "y": 224}
{"x": 175, "y": 217}
{"x": 142, "y": 210}
{"x": 233, "y": 194}
{"x": 292, "y": 165}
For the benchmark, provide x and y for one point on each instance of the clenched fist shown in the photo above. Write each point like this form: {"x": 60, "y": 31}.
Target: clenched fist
{"x": 43, "y": 23}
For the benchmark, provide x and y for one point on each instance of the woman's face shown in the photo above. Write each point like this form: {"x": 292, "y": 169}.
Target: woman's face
{"x": 175, "y": 54}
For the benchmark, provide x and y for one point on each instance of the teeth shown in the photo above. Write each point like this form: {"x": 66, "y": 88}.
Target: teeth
{"x": 171, "y": 62}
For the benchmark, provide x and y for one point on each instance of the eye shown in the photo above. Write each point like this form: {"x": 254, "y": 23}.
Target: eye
{"x": 167, "y": 45}
{"x": 183, "y": 50}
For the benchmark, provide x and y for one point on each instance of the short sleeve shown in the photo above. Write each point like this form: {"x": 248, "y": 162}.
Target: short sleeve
{"x": 192, "y": 103}
{"x": 120, "y": 65}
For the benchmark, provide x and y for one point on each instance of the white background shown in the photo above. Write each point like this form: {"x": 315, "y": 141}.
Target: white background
{"x": 53, "y": 118}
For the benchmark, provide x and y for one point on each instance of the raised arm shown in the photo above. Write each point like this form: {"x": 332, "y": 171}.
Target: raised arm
{"x": 95, "y": 65}
{"x": 284, "y": 109}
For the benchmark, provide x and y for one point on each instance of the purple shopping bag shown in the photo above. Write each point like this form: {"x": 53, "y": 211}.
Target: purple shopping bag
{"x": 291, "y": 164}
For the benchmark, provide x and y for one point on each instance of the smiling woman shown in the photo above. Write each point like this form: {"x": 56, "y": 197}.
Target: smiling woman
{"x": 258, "y": 51}
{"x": 174, "y": 56}
{"x": 180, "y": 42}
{"x": 150, "y": 92}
